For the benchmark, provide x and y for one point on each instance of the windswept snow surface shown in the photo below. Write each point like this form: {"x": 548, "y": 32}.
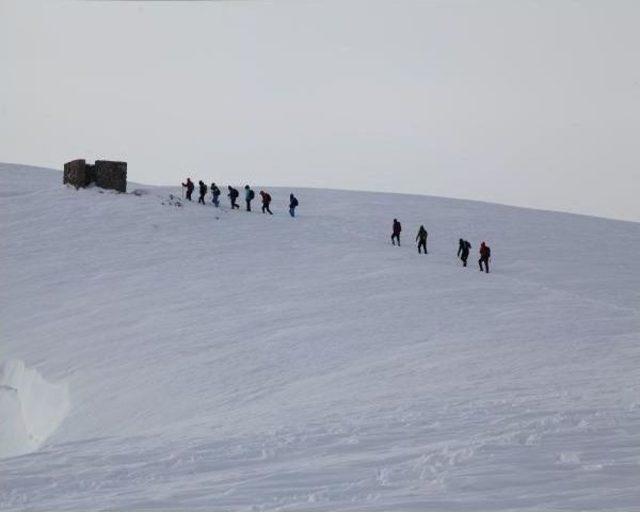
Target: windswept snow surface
{"x": 235, "y": 361}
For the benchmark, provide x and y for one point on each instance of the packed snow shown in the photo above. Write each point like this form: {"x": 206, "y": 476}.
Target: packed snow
{"x": 162, "y": 354}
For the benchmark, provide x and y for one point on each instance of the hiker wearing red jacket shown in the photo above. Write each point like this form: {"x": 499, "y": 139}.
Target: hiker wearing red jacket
{"x": 266, "y": 201}
{"x": 485, "y": 254}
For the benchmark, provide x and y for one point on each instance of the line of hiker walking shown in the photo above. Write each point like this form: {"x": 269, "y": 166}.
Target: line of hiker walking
{"x": 234, "y": 194}
{"x": 464, "y": 246}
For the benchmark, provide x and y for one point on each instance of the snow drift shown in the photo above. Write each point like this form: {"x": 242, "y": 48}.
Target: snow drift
{"x": 237, "y": 361}
{"x": 31, "y": 408}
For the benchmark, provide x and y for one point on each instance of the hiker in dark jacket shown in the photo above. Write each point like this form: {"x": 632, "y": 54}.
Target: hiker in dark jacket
{"x": 485, "y": 254}
{"x": 248, "y": 196}
{"x": 421, "y": 238}
{"x": 190, "y": 186}
{"x": 203, "y": 191}
{"x": 463, "y": 251}
{"x": 266, "y": 201}
{"x": 215, "y": 194}
{"x": 233, "y": 195}
{"x": 293, "y": 203}
{"x": 395, "y": 235}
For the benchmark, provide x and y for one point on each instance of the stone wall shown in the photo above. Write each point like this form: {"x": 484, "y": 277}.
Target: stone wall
{"x": 112, "y": 175}
{"x": 104, "y": 173}
{"x": 75, "y": 173}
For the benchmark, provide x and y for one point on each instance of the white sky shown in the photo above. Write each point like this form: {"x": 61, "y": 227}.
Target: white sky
{"x": 532, "y": 103}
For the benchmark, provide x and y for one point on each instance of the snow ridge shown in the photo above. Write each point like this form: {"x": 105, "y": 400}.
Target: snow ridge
{"x": 31, "y": 408}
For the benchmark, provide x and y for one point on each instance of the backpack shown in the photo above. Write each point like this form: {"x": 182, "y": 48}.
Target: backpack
{"x": 252, "y": 194}
{"x": 267, "y": 197}
{"x": 294, "y": 202}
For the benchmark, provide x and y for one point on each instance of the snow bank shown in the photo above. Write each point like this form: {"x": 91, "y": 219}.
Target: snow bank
{"x": 31, "y": 408}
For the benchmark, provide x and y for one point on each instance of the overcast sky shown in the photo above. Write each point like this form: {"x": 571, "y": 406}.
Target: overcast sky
{"x": 532, "y": 103}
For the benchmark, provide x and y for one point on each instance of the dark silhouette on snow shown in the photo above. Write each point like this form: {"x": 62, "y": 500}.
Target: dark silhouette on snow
{"x": 293, "y": 203}
{"x": 266, "y": 201}
{"x": 421, "y": 238}
{"x": 215, "y": 195}
{"x": 463, "y": 251}
{"x": 485, "y": 254}
{"x": 203, "y": 191}
{"x": 395, "y": 235}
{"x": 233, "y": 195}
{"x": 190, "y": 186}
{"x": 248, "y": 196}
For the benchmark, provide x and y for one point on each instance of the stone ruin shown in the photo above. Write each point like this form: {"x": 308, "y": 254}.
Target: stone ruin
{"x": 104, "y": 173}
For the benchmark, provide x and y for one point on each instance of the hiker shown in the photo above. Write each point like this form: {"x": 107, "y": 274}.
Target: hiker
{"x": 463, "y": 251}
{"x": 422, "y": 239}
{"x": 215, "y": 194}
{"x": 203, "y": 191}
{"x": 190, "y": 187}
{"x": 293, "y": 203}
{"x": 397, "y": 228}
{"x": 233, "y": 195}
{"x": 266, "y": 201}
{"x": 485, "y": 254}
{"x": 248, "y": 196}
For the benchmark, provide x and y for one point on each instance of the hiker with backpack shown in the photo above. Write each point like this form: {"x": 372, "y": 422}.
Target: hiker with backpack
{"x": 485, "y": 254}
{"x": 395, "y": 235}
{"x": 293, "y": 203}
{"x": 248, "y": 196}
{"x": 190, "y": 186}
{"x": 215, "y": 194}
{"x": 266, "y": 201}
{"x": 233, "y": 195}
{"x": 463, "y": 251}
{"x": 421, "y": 238}
{"x": 203, "y": 191}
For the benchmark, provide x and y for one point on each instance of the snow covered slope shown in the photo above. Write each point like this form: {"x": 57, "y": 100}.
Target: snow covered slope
{"x": 190, "y": 357}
